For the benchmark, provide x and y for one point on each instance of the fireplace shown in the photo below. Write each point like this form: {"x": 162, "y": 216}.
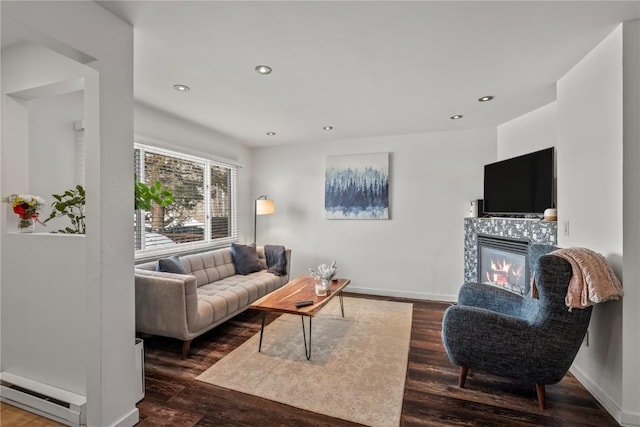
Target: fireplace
{"x": 504, "y": 263}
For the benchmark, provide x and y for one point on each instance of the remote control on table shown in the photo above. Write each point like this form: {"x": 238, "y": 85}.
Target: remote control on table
{"x": 304, "y": 303}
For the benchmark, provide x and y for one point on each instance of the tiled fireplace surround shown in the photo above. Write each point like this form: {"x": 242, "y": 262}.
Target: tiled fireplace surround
{"x": 533, "y": 230}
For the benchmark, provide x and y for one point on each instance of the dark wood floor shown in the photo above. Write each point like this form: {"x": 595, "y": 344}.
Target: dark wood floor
{"x": 432, "y": 398}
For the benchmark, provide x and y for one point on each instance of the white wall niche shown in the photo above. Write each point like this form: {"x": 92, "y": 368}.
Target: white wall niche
{"x": 43, "y": 276}
{"x": 46, "y": 152}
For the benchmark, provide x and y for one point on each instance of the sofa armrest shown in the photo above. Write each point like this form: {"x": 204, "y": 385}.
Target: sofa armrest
{"x": 287, "y": 254}
{"x": 490, "y": 298}
{"x": 166, "y": 303}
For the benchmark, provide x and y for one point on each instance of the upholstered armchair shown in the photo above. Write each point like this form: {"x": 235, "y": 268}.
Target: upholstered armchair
{"x": 535, "y": 341}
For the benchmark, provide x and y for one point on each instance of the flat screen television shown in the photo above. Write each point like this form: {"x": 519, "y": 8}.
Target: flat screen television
{"x": 521, "y": 185}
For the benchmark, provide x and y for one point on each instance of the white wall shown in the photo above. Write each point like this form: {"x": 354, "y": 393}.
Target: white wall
{"x": 86, "y": 32}
{"x": 52, "y": 145}
{"x": 631, "y": 168}
{"x": 587, "y": 117}
{"x": 530, "y": 132}
{"x": 589, "y": 156}
{"x": 36, "y": 108}
{"x": 21, "y": 78}
{"x": 44, "y": 310}
{"x": 177, "y": 133}
{"x": 418, "y": 252}
{"x": 43, "y": 299}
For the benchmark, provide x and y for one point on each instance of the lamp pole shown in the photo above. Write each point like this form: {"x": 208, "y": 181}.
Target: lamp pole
{"x": 255, "y": 219}
{"x": 263, "y": 206}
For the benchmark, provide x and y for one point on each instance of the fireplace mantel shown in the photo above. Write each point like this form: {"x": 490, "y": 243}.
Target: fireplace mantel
{"x": 533, "y": 230}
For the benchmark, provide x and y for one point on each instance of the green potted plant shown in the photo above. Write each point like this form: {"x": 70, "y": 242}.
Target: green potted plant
{"x": 145, "y": 195}
{"x": 71, "y": 204}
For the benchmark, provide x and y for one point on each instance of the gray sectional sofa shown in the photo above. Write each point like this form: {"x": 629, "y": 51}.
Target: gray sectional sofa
{"x": 184, "y": 306}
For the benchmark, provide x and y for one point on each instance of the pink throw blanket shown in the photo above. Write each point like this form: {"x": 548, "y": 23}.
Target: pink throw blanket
{"x": 593, "y": 279}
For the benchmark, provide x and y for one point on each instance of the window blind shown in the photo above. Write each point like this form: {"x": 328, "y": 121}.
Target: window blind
{"x": 204, "y": 207}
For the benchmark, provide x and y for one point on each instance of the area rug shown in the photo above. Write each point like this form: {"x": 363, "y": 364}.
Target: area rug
{"x": 357, "y": 369}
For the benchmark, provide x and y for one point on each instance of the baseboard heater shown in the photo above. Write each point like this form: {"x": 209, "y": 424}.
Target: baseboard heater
{"x": 47, "y": 401}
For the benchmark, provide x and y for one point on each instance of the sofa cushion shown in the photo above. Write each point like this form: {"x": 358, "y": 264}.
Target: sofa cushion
{"x": 171, "y": 264}
{"x": 245, "y": 258}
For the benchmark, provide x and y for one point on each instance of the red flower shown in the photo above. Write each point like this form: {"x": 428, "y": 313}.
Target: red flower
{"x": 20, "y": 209}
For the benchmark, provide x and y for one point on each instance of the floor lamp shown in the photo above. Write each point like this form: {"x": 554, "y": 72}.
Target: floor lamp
{"x": 264, "y": 206}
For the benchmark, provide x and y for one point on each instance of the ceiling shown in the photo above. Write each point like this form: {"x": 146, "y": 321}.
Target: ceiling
{"x": 367, "y": 68}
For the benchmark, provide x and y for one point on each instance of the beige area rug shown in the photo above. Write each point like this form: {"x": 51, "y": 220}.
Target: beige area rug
{"x": 357, "y": 369}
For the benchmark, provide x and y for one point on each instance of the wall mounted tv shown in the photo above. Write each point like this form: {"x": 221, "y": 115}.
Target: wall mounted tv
{"x": 521, "y": 185}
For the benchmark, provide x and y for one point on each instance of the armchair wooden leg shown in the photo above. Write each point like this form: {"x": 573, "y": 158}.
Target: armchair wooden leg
{"x": 186, "y": 345}
{"x": 540, "y": 393}
{"x": 463, "y": 376}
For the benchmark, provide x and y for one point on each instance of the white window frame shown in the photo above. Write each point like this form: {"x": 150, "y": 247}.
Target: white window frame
{"x": 208, "y": 242}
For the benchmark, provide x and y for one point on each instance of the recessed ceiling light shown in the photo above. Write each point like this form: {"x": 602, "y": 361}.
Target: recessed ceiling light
{"x": 327, "y": 127}
{"x": 456, "y": 117}
{"x": 181, "y": 88}
{"x": 263, "y": 69}
{"x": 486, "y": 98}
{"x": 271, "y": 133}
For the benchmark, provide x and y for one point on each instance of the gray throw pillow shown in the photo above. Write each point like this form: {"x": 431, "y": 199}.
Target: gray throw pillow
{"x": 171, "y": 265}
{"x": 245, "y": 258}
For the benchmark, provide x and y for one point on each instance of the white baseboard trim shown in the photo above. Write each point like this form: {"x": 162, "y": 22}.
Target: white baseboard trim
{"x": 596, "y": 391}
{"x": 45, "y": 400}
{"x": 626, "y": 419}
{"x": 129, "y": 420}
{"x": 630, "y": 419}
{"x": 402, "y": 294}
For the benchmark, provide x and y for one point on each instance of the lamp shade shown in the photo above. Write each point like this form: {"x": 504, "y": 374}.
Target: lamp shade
{"x": 265, "y": 207}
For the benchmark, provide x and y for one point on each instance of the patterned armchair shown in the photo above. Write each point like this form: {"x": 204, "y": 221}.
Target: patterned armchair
{"x": 530, "y": 340}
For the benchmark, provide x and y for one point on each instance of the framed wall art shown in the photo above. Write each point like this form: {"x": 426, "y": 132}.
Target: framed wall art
{"x": 357, "y": 186}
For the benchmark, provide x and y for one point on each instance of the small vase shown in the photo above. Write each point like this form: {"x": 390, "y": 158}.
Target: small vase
{"x": 326, "y": 284}
{"x": 26, "y": 224}
{"x": 321, "y": 290}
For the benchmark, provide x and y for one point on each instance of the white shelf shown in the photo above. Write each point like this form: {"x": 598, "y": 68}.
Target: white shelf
{"x": 15, "y": 233}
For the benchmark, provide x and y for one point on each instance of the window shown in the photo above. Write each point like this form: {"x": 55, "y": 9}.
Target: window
{"x": 204, "y": 208}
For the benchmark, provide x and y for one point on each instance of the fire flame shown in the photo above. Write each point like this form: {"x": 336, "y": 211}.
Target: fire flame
{"x": 502, "y": 270}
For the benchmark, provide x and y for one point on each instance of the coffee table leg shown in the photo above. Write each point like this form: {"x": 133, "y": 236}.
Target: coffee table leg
{"x": 307, "y": 351}
{"x": 264, "y": 314}
{"x": 341, "y": 304}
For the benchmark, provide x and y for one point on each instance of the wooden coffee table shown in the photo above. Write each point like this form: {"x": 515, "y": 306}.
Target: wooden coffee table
{"x": 283, "y": 300}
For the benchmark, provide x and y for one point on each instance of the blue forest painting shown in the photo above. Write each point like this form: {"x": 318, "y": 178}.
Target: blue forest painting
{"x": 357, "y": 187}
